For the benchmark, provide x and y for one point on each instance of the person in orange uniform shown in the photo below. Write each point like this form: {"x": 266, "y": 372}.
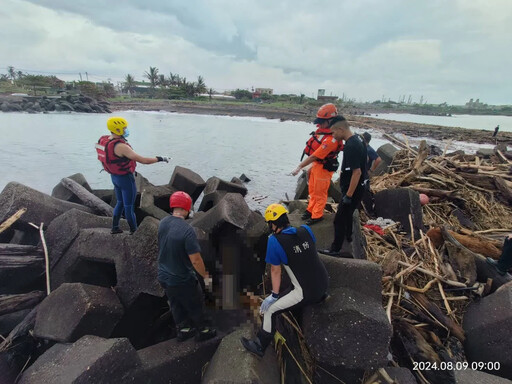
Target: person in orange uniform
{"x": 323, "y": 151}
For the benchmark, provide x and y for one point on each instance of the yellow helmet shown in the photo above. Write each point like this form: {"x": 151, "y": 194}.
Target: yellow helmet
{"x": 117, "y": 125}
{"x": 274, "y": 212}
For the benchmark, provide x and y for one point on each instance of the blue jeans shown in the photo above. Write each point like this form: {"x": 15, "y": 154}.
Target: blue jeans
{"x": 126, "y": 192}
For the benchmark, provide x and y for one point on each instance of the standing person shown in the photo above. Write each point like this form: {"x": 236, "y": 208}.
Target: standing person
{"x": 373, "y": 161}
{"x": 496, "y": 131}
{"x": 294, "y": 250}
{"x": 352, "y": 179}
{"x": 322, "y": 150}
{"x": 179, "y": 257}
{"x": 505, "y": 261}
{"x": 373, "y": 158}
{"x": 119, "y": 159}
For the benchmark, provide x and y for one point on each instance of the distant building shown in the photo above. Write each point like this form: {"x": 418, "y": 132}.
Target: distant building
{"x": 256, "y": 94}
{"x": 321, "y": 96}
{"x": 267, "y": 91}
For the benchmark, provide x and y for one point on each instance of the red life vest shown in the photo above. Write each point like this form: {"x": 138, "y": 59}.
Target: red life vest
{"x": 112, "y": 163}
{"x": 316, "y": 139}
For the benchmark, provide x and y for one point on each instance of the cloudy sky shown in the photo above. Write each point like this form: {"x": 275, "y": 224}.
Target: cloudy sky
{"x": 443, "y": 50}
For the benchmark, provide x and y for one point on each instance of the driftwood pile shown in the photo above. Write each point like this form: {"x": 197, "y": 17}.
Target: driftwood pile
{"x": 429, "y": 281}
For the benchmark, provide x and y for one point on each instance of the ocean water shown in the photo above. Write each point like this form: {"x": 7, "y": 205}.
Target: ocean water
{"x": 40, "y": 149}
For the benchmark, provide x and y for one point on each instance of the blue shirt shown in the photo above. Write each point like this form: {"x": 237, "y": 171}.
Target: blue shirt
{"x": 372, "y": 156}
{"x": 275, "y": 253}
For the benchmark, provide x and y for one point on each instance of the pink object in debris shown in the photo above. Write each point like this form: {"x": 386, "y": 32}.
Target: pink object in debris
{"x": 424, "y": 199}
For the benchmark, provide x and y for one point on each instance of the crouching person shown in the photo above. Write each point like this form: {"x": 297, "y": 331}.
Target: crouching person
{"x": 178, "y": 258}
{"x": 294, "y": 250}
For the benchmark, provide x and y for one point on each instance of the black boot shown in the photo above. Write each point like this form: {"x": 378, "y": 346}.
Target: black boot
{"x": 253, "y": 346}
{"x": 259, "y": 344}
{"x": 306, "y": 215}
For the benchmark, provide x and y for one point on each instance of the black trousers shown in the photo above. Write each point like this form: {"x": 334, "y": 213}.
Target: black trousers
{"x": 187, "y": 305}
{"x": 343, "y": 219}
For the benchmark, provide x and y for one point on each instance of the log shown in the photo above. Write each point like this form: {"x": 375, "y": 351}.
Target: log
{"x": 503, "y": 188}
{"x": 15, "y": 303}
{"x": 435, "y": 311}
{"x": 11, "y": 220}
{"x": 484, "y": 271}
{"x": 88, "y": 199}
{"x": 19, "y": 250}
{"x": 483, "y": 181}
{"x": 476, "y": 244}
{"x": 435, "y": 192}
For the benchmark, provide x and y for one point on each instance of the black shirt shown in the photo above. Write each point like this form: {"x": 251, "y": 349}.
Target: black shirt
{"x": 354, "y": 157}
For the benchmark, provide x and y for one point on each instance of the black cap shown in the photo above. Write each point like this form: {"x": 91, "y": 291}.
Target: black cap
{"x": 367, "y": 137}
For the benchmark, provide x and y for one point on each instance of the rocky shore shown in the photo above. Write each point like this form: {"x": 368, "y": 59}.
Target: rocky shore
{"x": 306, "y": 114}
{"x": 80, "y": 305}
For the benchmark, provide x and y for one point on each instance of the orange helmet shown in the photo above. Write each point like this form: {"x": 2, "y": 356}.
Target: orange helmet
{"x": 325, "y": 112}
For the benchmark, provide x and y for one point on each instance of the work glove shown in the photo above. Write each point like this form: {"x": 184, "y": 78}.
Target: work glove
{"x": 346, "y": 200}
{"x": 208, "y": 283}
{"x": 163, "y": 158}
{"x": 296, "y": 171}
{"x": 271, "y": 299}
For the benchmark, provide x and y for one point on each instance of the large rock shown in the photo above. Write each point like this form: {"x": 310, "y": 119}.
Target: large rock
{"x": 61, "y": 192}
{"x": 323, "y": 230}
{"x": 210, "y": 200}
{"x": 361, "y": 275}
{"x": 397, "y": 204}
{"x": 65, "y": 228}
{"x": 76, "y": 310}
{"x": 128, "y": 262}
{"x": 488, "y": 328}
{"x": 41, "y": 208}
{"x": 301, "y": 191}
{"x": 470, "y": 376}
{"x": 183, "y": 179}
{"x": 215, "y": 184}
{"x": 232, "y": 364}
{"x": 174, "y": 362}
{"x": 231, "y": 209}
{"x": 386, "y": 152}
{"x": 348, "y": 334}
{"x": 154, "y": 202}
{"x": 89, "y": 360}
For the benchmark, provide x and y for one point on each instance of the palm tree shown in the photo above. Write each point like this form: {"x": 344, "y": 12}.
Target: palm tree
{"x": 129, "y": 84}
{"x": 152, "y": 76}
{"x": 200, "y": 86}
{"x": 11, "y": 73}
{"x": 162, "y": 81}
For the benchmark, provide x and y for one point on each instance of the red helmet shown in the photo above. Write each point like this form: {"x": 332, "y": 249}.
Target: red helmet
{"x": 180, "y": 199}
{"x": 327, "y": 111}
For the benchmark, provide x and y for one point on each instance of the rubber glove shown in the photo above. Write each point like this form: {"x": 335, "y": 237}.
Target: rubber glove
{"x": 163, "y": 158}
{"x": 271, "y": 299}
{"x": 296, "y": 171}
{"x": 346, "y": 200}
{"x": 208, "y": 283}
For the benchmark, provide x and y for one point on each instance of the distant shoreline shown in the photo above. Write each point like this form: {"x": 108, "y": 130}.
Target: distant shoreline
{"x": 358, "y": 120}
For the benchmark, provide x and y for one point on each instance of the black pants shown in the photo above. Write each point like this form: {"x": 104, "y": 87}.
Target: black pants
{"x": 343, "y": 219}
{"x": 187, "y": 305}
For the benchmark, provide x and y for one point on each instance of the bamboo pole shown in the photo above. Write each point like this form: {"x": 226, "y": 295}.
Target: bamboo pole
{"x": 11, "y": 220}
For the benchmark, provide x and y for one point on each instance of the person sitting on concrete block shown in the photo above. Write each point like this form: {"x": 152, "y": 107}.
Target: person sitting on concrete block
{"x": 505, "y": 261}
{"x": 179, "y": 258}
{"x": 294, "y": 249}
